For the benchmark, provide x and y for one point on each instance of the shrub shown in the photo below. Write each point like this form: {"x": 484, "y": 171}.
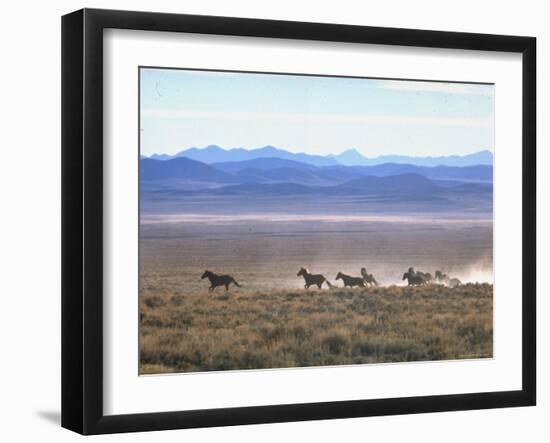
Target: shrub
{"x": 153, "y": 301}
{"x": 279, "y": 328}
{"x": 335, "y": 343}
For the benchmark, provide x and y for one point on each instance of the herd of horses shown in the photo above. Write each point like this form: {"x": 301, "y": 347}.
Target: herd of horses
{"x": 414, "y": 278}
{"x": 417, "y": 278}
{"x": 365, "y": 280}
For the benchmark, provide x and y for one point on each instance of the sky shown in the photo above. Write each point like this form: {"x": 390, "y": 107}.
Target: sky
{"x": 180, "y": 109}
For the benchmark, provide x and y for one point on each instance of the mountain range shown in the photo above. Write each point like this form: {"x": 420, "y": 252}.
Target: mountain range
{"x": 283, "y": 177}
{"x": 215, "y": 154}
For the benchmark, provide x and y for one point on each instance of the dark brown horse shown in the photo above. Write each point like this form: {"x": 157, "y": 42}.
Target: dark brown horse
{"x": 219, "y": 280}
{"x": 312, "y": 279}
{"x": 413, "y": 278}
{"x": 350, "y": 281}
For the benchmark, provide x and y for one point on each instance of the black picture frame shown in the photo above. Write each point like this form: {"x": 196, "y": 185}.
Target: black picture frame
{"x": 82, "y": 219}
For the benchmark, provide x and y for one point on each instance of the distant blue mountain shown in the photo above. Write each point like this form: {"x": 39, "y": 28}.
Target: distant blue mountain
{"x": 471, "y": 188}
{"x": 182, "y": 173}
{"x": 309, "y": 177}
{"x": 215, "y": 154}
{"x": 400, "y": 187}
{"x": 478, "y": 173}
{"x": 474, "y": 173}
{"x": 263, "y": 164}
{"x": 185, "y": 177}
{"x": 161, "y": 157}
{"x": 352, "y": 157}
{"x": 384, "y": 169}
{"x": 182, "y": 168}
{"x": 340, "y": 173}
{"x": 403, "y": 184}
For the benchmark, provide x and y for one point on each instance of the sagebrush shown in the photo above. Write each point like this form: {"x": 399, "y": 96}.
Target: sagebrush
{"x": 291, "y": 328}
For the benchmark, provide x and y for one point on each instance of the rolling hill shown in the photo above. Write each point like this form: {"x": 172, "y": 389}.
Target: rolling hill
{"x": 403, "y": 187}
{"x": 264, "y": 163}
{"x": 475, "y": 173}
{"x": 182, "y": 168}
{"x": 281, "y": 179}
{"x": 403, "y": 184}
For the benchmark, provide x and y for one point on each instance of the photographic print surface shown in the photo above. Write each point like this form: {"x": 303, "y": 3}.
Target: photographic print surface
{"x": 300, "y": 220}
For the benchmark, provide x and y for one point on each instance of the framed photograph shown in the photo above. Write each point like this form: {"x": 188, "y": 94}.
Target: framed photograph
{"x": 268, "y": 221}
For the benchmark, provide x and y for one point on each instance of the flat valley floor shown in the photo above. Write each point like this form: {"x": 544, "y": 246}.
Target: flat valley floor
{"x": 273, "y": 322}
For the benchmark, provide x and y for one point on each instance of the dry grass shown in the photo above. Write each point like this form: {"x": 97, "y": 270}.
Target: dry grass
{"x": 289, "y": 328}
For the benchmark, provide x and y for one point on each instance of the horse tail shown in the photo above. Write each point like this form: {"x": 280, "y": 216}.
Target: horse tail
{"x": 235, "y": 281}
{"x": 329, "y": 284}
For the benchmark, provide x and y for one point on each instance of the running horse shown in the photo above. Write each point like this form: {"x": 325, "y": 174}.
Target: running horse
{"x": 350, "y": 281}
{"x": 369, "y": 278}
{"x": 219, "y": 280}
{"x": 312, "y": 279}
{"x": 413, "y": 278}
